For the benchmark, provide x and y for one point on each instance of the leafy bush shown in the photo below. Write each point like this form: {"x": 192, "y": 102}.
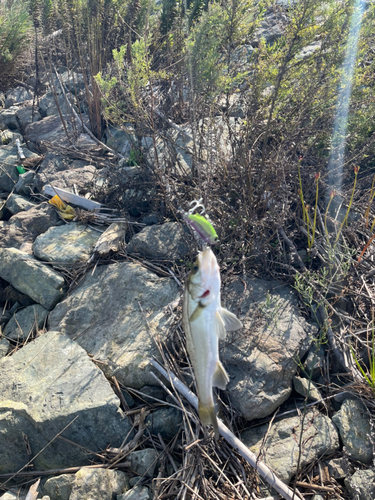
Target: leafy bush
{"x": 15, "y": 32}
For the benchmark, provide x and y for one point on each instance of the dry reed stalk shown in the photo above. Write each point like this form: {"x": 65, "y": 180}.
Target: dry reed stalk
{"x": 265, "y": 472}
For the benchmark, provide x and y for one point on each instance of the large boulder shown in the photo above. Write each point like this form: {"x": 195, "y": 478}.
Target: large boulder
{"x": 25, "y": 322}
{"x": 103, "y": 484}
{"x": 261, "y": 358}
{"x": 353, "y": 423}
{"x": 117, "y": 314}
{"x": 51, "y": 388}
{"x": 51, "y": 130}
{"x": 168, "y": 241}
{"x": 29, "y": 276}
{"x": 68, "y": 244}
{"x": 63, "y": 174}
{"x": 21, "y": 230}
{"x": 361, "y": 485}
{"x": 17, "y": 95}
{"x": 292, "y": 442}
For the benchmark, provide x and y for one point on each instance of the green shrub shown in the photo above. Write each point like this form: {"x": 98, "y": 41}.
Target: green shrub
{"x": 15, "y": 32}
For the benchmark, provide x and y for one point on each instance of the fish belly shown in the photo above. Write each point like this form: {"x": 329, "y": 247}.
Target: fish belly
{"x": 204, "y": 353}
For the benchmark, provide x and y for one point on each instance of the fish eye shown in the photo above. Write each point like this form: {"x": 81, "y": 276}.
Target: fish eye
{"x": 195, "y": 268}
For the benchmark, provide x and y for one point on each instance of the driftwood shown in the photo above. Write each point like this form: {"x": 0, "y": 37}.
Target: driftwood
{"x": 265, "y": 472}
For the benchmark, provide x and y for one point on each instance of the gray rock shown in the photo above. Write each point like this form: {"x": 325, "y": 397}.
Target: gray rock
{"x": 51, "y": 130}
{"x": 4, "y": 347}
{"x": 150, "y": 219}
{"x": 339, "y": 468}
{"x": 136, "y": 493}
{"x": 50, "y": 386}
{"x": 46, "y": 497}
{"x": 24, "y": 227}
{"x": 105, "y": 311}
{"x": 17, "y": 203}
{"x": 354, "y": 427}
{"x": 118, "y": 140}
{"x": 59, "y": 487}
{"x": 69, "y": 244}
{"x": 9, "y": 161}
{"x": 25, "y": 115}
{"x": 143, "y": 462}
{"x": 280, "y": 450}
{"x": 61, "y": 173}
{"x": 72, "y": 81}
{"x": 179, "y": 143}
{"x": 25, "y": 322}
{"x": 261, "y": 358}
{"x": 168, "y": 241}
{"x": 19, "y": 94}
{"x": 271, "y": 28}
{"x": 103, "y": 484}
{"x": 8, "y": 118}
{"x": 314, "y": 362}
{"x": 29, "y": 276}
{"x": 306, "y": 388}
{"x": 166, "y": 421}
{"x": 25, "y": 183}
{"x": 362, "y": 485}
{"x": 47, "y": 105}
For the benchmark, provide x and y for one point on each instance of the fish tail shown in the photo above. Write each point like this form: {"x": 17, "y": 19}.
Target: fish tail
{"x": 207, "y": 414}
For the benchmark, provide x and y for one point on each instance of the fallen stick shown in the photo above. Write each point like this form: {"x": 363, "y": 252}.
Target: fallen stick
{"x": 315, "y": 487}
{"x": 249, "y": 456}
{"x": 69, "y": 470}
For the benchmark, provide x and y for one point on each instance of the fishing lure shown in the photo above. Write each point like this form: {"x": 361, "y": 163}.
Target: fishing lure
{"x": 200, "y": 224}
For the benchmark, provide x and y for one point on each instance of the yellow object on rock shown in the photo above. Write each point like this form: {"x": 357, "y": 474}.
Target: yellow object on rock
{"x": 66, "y": 211}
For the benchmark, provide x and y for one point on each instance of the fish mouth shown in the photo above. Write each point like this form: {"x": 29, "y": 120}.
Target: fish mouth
{"x": 205, "y": 294}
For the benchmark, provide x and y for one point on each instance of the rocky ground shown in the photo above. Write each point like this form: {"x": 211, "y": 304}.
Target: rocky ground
{"x": 78, "y": 331}
{"x": 79, "y": 325}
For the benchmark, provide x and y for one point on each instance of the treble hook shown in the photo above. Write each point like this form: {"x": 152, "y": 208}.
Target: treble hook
{"x": 198, "y": 203}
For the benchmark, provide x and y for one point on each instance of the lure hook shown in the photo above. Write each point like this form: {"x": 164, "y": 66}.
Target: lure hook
{"x": 198, "y": 203}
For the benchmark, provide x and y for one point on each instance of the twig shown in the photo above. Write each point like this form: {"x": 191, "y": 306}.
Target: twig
{"x": 69, "y": 470}
{"x": 248, "y": 455}
{"x": 315, "y": 487}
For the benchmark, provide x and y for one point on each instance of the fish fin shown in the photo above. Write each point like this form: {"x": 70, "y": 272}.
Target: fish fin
{"x": 207, "y": 414}
{"x": 196, "y": 313}
{"x": 220, "y": 326}
{"x": 231, "y": 322}
{"x": 220, "y": 378}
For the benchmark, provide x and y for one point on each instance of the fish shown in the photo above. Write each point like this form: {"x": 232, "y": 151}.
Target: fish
{"x": 205, "y": 322}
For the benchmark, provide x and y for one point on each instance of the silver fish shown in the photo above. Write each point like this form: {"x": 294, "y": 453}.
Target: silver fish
{"x": 205, "y": 322}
